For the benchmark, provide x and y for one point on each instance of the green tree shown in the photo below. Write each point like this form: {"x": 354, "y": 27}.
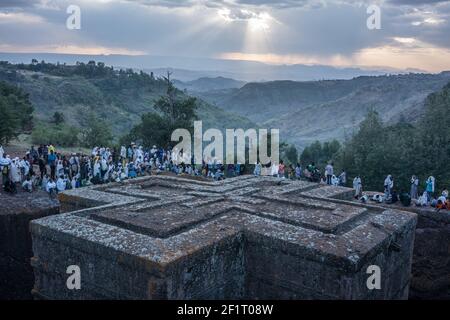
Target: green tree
{"x": 377, "y": 150}
{"x": 291, "y": 154}
{"x": 15, "y": 112}
{"x": 58, "y": 118}
{"x": 366, "y": 154}
{"x": 97, "y": 132}
{"x": 320, "y": 153}
{"x": 9, "y": 122}
{"x": 171, "y": 113}
{"x": 431, "y": 152}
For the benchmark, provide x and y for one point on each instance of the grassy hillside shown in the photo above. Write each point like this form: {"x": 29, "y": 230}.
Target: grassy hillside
{"x": 323, "y": 110}
{"x": 117, "y": 97}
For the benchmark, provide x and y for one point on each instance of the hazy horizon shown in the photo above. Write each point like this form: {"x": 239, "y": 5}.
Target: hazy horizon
{"x": 192, "y": 68}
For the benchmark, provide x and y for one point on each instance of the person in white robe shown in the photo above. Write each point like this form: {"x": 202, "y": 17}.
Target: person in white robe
{"x": 5, "y": 168}
{"x": 61, "y": 184}
{"x": 388, "y": 186}
{"x": 27, "y": 185}
{"x": 414, "y": 193}
{"x": 44, "y": 182}
{"x": 96, "y": 168}
{"x": 274, "y": 170}
{"x": 123, "y": 152}
{"x": 107, "y": 154}
{"x": 423, "y": 200}
{"x": 59, "y": 168}
{"x": 73, "y": 182}
{"x": 357, "y": 186}
{"x": 24, "y": 167}
{"x": 257, "y": 171}
{"x": 153, "y": 151}
{"x": 139, "y": 154}
{"x": 51, "y": 186}
{"x": 125, "y": 170}
{"x": 109, "y": 172}
{"x": 15, "y": 171}
{"x": 334, "y": 181}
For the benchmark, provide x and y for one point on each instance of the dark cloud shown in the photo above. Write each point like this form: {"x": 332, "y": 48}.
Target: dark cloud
{"x": 417, "y": 2}
{"x": 17, "y": 3}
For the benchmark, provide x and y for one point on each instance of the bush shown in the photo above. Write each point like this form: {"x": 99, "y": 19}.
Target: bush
{"x": 97, "y": 133}
{"x": 64, "y": 136}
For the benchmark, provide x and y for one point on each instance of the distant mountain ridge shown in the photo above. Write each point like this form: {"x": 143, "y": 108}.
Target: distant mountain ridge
{"x": 190, "y": 68}
{"x": 324, "y": 110}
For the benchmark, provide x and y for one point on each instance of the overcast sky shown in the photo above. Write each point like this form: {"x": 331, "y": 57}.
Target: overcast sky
{"x": 413, "y": 34}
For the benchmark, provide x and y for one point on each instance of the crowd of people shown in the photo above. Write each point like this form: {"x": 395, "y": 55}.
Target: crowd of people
{"x": 45, "y": 168}
{"x": 311, "y": 173}
{"x": 426, "y": 199}
{"x": 54, "y": 172}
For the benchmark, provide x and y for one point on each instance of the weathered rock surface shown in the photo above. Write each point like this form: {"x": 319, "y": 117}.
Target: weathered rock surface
{"x": 16, "y": 211}
{"x": 431, "y": 262}
{"x": 246, "y": 237}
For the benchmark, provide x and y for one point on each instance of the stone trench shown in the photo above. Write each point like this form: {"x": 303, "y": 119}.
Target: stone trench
{"x": 16, "y": 212}
{"x": 164, "y": 237}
